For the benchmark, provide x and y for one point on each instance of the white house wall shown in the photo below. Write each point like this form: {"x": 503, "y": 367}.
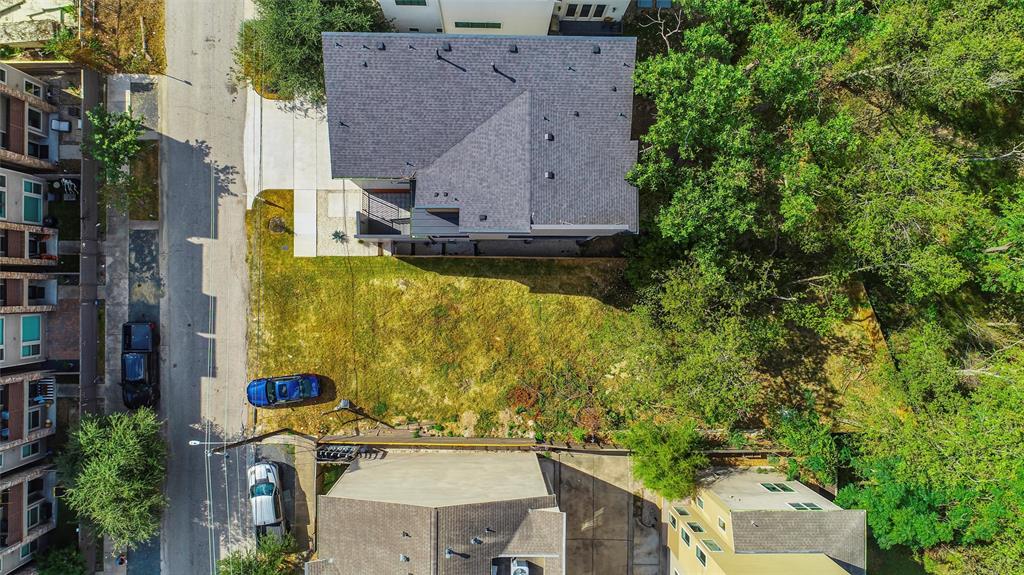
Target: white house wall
{"x": 413, "y": 18}
{"x": 517, "y": 17}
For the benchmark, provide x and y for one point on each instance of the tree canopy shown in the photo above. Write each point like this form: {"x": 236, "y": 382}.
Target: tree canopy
{"x": 114, "y": 467}
{"x": 114, "y": 142}
{"x": 280, "y": 52}
{"x": 797, "y": 149}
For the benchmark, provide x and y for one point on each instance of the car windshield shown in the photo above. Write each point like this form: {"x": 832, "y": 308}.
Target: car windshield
{"x": 271, "y": 396}
{"x": 265, "y": 488}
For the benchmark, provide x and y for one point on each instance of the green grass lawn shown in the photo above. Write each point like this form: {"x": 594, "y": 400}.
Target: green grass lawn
{"x": 482, "y": 346}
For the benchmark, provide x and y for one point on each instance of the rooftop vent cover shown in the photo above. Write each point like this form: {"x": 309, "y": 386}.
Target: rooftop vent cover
{"x": 513, "y": 49}
{"x": 549, "y": 175}
{"x": 483, "y": 217}
{"x": 403, "y": 558}
{"x": 596, "y": 49}
{"x": 380, "y": 45}
{"x": 447, "y": 46}
{"x": 549, "y": 137}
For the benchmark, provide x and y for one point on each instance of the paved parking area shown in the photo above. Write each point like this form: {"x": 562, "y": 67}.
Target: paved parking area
{"x": 607, "y": 518}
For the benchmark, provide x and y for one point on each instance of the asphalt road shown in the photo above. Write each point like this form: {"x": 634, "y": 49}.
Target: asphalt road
{"x": 203, "y": 311}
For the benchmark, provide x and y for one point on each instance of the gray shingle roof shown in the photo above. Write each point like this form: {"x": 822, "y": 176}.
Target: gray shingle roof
{"x": 457, "y": 122}
{"x": 372, "y": 536}
{"x": 840, "y": 534}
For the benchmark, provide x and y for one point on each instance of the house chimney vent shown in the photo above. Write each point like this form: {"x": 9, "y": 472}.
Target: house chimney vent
{"x": 549, "y": 175}
{"x": 549, "y": 137}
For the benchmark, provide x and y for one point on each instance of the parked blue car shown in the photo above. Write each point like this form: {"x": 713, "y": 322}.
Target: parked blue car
{"x": 273, "y": 391}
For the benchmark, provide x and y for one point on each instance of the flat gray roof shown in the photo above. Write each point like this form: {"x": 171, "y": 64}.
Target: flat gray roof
{"x": 439, "y": 479}
{"x": 512, "y": 130}
{"x": 741, "y": 490}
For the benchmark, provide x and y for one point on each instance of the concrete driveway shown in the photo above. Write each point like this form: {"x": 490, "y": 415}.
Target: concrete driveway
{"x": 607, "y": 518}
{"x": 286, "y": 148}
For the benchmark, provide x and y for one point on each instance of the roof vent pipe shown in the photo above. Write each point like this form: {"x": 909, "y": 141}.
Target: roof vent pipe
{"x": 447, "y": 46}
{"x": 513, "y": 49}
{"x": 380, "y": 45}
{"x": 596, "y": 49}
{"x": 549, "y": 137}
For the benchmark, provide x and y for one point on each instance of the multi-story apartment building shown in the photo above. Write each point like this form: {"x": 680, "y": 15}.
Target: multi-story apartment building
{"x": 30, "y": 124}
{"x": 28, "y": 505}
{"x": 27, "y": 250}
{"x": 507, "y": 17}
{"x": 745, "y": 521}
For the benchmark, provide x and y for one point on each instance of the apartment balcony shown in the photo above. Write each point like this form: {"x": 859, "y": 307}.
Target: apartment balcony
{"x": 28, "y": 412}
{"x": 29, "y": 507}
{"x": 27, "y": 292}
{"x": 28, "y": 245}
{"x": 384, "y": 215}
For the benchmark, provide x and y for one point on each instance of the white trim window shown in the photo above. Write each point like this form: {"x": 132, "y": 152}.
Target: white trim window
{"x": 33, "y": 516}
{"x": 3, "y": 196}
{"x": 34, "y": 120}
{"x": 777, "y": 487}
{"x": 700, "y": 555}
{"x": 33, "y": 88}
{"x": 721, "y": 523}
{"x": 34, "y": 420}
{"x": 30, "y": 450}
{"x": 32, "y": 201}
{"x": 805, "y": 506}
{"x": 31, "y": 336}
{"x": 700, "y": 502}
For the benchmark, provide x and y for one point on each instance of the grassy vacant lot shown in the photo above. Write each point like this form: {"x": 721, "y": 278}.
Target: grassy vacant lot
{"x": 489, "y": 347}
{"x": 145, "y": 171}
{"x": 124, "y": 35}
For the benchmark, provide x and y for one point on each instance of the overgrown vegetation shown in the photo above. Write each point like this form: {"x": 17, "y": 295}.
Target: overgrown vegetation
{"x": 117, "y": 36}
{"x": 113, "y": 467}
{"x": 666, "y": 456}
{"x": 61, "y": 561}
{"x": 797, "y": 148}
{"x": 114, "y": 144}
{"x": 270, "y": 556}
{"x": 520, "y": 348}
{"x": 280, "y": 54}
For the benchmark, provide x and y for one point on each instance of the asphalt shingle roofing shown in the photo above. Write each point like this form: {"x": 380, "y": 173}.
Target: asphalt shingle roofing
{"x": 512, "y": 130}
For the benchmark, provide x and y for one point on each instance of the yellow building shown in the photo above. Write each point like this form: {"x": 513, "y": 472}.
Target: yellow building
{"x": 755, "y": 522}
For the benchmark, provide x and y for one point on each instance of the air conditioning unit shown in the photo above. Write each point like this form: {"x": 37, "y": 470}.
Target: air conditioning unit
{"x": 520, "y": 567}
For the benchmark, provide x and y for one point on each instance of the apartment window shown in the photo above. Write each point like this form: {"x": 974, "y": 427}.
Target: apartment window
{"x": 29, "y": 548}
{"x": 33, "y": 88}
{"x": 672, "y": 520}
{"x": 31, "y": 335}
{"x": 684, "y": 536}
{"x": 599, "y": 10}
{"x": 805, "y": 506}
{"x": 680, "y": 511}
{"x": 493, "y": 25}
{"x": 570, "y": 10}
{"x": 3, "y": 196}
{"x": 30, "y": 450}
{"x": 585, "y": 10}
{"x": 35, "y": 120}
{"x": 32, "y": 516}
{"x": 35, "y": 419}
{"x": 414, "y": 29}
{"x": 701, "y": 556}
{"x": 410, "y": 2}
{"x": 777, "y": 487}
{"x": 3, "y": 76}
{"x": 700, "y": 503}
{"x": 721, "y": 524}
{"x": 32, "y": 202}
{"x": 695, "y": 527}
{"x": 711, "y": 545}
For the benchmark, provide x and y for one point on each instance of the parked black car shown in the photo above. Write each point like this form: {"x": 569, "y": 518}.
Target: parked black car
{"x": 139, "y": 365}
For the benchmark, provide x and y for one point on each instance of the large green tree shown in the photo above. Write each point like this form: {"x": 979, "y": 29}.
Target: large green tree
{"x": 666, "y": 456}
{"x": 280, "y": 52}
{"x": 114, "y": 468}
{"x": 113, "y": 142}
{"x": 796, "y": 146}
